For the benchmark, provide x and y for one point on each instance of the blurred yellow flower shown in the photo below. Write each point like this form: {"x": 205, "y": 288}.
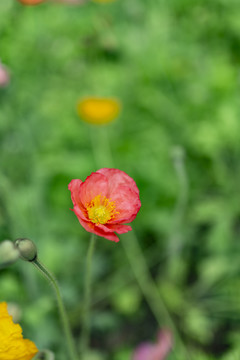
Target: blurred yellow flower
{"x": 12, "y": 344}
{"x": 98, "y": 111}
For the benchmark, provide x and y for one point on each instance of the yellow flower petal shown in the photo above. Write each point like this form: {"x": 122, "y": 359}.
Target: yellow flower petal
{"x": 98, "y": 111}
{"x": 12, "y": 344}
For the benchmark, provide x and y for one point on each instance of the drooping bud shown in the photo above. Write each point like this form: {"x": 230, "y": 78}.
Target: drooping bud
{"x": 27, "y": 249}
{"x": 45, "y": 355}
{"x": 15, "y": 311}
{"x": 8, "y": 253}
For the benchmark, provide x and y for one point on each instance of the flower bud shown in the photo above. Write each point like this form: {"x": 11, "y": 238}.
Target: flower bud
{"x": 45, "y": 355}
{"x": 15, "y": 311}
{"x": 27, "y": 249}
{"x": 8, "y": 253}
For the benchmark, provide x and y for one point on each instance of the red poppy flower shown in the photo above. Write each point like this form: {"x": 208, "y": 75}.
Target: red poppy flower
{"x": 105, "y": 201}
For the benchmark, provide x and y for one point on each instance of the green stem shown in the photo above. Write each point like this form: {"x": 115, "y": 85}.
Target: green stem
{"x": 149, "y": 288}
{"x": 182, "y": 201}
{"x": 176, "y": 238}
{"x": 66, "y": 327}
{"x": 87, "y": 299}
{"x": 101, "y": 147}
{"x": 141, "y": 271}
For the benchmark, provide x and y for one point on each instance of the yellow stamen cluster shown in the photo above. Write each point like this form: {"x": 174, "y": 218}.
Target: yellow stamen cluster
{"x": 101, "y": 210}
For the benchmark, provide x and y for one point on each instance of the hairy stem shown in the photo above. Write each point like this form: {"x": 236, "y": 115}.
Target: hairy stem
{"x": 150, "y": 289}
{"x": 87, "y": 298}
{"x": 66, "y": 327}
{"x": 138, "y": 263}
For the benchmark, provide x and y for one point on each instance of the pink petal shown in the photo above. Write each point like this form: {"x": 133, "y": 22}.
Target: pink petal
{"x": 117, "y": 177}
{"x": 74, "y": 187}
{"x": 165, "y": 335}
{"x": 149, "y": 351}
{"x": 165, "y": 343}
{"x": 86, "y": 224}
{"x": 120, "y": 229}
{"x": 81, "y": 213}
{"x": 144, "y": 351}
{"x": 109, "y": 228}
{"x": 4, "y": 76}
{"x": 107, "y": 235}
{"x": 127, "y": 203}
{"x": 95, "y": 229}
{"x": 94, "y": 185}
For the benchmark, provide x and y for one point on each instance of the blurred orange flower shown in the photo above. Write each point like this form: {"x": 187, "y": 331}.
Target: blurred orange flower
{"x": 12, "y": 344}
{"x": 98, "y": 111}
{"x": 30, "y": 2}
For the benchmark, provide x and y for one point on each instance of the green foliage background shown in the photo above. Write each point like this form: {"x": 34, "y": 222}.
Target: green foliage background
{"x": 175, "y": 67}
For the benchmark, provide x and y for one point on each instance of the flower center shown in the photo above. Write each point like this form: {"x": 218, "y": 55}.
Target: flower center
{"x": 101, "y": 210}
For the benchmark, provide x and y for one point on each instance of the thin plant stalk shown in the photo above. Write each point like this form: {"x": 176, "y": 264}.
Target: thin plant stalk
{"x": 66, "y": 327}
{"x": 139, "y": 266}
{"x": 101, "y": 146}
{"x": 150, "y": 290}
{"x": 85, "y": 335}
{"x": 176, "y": 236}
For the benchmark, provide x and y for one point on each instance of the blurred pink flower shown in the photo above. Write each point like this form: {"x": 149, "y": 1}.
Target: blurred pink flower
{"x": 4, "y": 76}
{"x": 105, "y": 202}
{"x": 158, "y": 351}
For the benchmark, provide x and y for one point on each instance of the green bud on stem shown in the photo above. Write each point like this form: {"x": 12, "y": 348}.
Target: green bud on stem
{"x": 8, "y": 253}
{"x": 27, "y": 249}
{"x": 44, "y": 355}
